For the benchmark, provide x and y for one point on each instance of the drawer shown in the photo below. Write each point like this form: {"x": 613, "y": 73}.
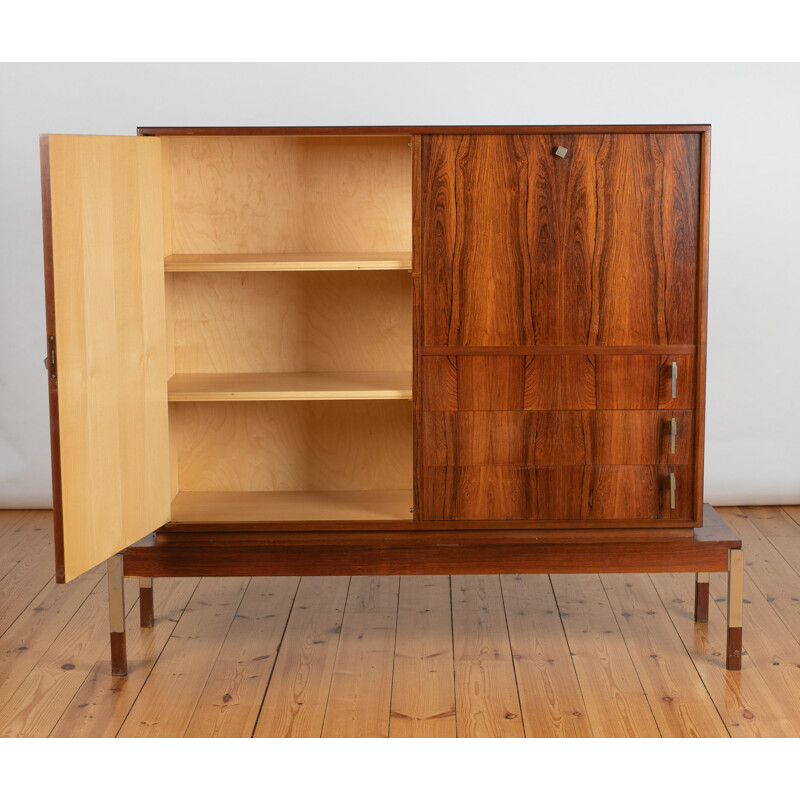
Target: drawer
{"x": 556, "y": 382}
{"x": 556, "y": 438}
{"x": 639, "y": 493}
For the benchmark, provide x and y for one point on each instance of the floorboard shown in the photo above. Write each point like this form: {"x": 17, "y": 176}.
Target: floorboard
{"x": 612, "y": 690}
{"x": 487, "y": 700}
{"x": 412, "y": 656}
{"x": 423, "y": 689}
{"x": 295, "y": 701}
{"x": 168, "y": 699}
{"x": 549, "y": 692}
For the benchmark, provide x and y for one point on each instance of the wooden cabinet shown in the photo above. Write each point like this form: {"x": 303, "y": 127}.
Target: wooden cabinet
{"x": 384, "y": 346}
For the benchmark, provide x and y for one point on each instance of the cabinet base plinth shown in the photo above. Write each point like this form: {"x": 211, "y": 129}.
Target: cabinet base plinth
{"x": 713, "y": 548}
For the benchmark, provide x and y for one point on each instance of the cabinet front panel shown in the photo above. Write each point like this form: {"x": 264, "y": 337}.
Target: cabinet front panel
{"x": 556, "y": 493}
{"x": 547, "y": 382}
{"x": 553, "y": 438}
{"x": 521, "y": 247}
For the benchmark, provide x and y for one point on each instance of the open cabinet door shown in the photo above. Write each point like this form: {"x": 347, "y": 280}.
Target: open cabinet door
{"x": 107, "y": 359}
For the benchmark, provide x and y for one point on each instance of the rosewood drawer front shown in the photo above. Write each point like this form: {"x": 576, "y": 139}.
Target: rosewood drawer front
{"x": 556, "y": 493}
{"x": 550, "y": 382}
{"x": 557, "y": 438}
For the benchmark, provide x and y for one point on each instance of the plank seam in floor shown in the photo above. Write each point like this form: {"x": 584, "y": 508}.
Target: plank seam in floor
{"x": 275, "y": 660}
{"x": 630, "y": 656}
{"x": 153, "y": 665}
{"x": 688, "y": 653}
{"x": 571, "y": 654}
{"x": 336, "y": 656}
{"x": 55, "y": 638}
{"x": 513, "y": 660}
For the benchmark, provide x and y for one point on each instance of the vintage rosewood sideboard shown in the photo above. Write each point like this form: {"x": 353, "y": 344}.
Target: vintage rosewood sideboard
{"x": 308, "y": 351}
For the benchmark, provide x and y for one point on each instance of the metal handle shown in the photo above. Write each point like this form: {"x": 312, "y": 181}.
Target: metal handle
{"x": 561, "y": 151}
{"x": 674, "y": 379}
{"x": 672, "y": 490}
{"x": 673, "y": 432}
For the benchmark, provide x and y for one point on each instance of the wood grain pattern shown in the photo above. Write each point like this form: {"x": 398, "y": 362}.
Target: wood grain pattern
{"x": 23, "y": 571}
{"x": 294, "y": 704}
{"x": 553, "y": 382}
{"x": 39, "y": 700}
{"x": 165, "y": 705}
{"x": 549, "y": 693}
{"x": 30, "y": 634}
{"x": 231, "y": 699}
{"x": 111, "y": 354}
{"x": 423, "y": 691}
{"x": 295, "y": 446}
{"x": 286, "y": 262}
{"x": 216, "y": 386}
{"x": 103, "y": 701}
{"x": 557, "y": 493}
{"x": 553, "y": 438}
{"x": 678, "y": 699}
{"x": 433, "y": 553}
{"x": 743, "y": 699}
{"x": 291, "y": 322}
{"x": 614, "y": 697}
{"x": 361, "y": 686}
{"x": 486, "y": 692}
{"x": 776, "y": 577}
{"x": 240, "y": 194}
{"x": 307, "y": 506}
{"x": 521, "y": 247}
{"x": 771, "y": 647}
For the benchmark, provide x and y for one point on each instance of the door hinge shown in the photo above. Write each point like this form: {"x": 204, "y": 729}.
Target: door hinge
{"x": 50, "y": 358}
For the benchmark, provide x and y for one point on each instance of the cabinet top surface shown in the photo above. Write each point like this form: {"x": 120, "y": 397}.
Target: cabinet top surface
{"x": 398, "y": 130}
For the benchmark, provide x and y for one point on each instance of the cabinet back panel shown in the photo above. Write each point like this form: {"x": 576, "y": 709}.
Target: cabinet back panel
{"x": 291, "y": 322}
{"x": 285, "y": 194}
{"x": 292, "y": 446}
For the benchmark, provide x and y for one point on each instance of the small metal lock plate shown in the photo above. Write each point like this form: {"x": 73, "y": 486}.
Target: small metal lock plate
{"x": 561, "y": 151}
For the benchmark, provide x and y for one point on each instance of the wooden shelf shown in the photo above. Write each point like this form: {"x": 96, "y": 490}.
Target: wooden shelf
{"x": 188, "y": 387}
{"x": 287, "y": 262}
{"x": 291, "y": 506}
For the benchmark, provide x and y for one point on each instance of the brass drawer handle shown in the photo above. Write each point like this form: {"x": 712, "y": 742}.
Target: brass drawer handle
{"x": 673, "y": 433}
{"x": 672, "y": 490}
{"x": 674, "y": 379}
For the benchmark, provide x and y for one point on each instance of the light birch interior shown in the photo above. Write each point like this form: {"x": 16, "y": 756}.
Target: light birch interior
{"x": 289, "y": 327}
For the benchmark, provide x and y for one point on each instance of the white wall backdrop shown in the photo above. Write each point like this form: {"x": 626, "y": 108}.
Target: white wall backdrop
{"x": 753, "y": 411}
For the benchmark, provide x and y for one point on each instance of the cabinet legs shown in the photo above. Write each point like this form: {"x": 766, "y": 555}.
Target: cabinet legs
{"x": 733, "y": 659}
{"x": 116, "y": 615}
{"x": 146, "y": 602}
{"x": 701, "y": 597}
{"x": 735, "y": 601}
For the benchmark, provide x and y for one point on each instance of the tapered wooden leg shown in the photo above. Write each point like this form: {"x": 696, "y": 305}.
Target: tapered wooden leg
{"x": 116, "y": 615}
{"x": 146, "y": 602}
{"x": 735, "y": 600}
{"x": 701, "y": 597}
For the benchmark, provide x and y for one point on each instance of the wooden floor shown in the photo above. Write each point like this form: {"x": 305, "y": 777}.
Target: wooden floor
{"x": 610, "y": 655}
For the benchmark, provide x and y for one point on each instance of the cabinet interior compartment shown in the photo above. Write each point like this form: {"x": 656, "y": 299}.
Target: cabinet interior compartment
{"x": 289, "y": 327}
{"x": 306, "y": 460}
